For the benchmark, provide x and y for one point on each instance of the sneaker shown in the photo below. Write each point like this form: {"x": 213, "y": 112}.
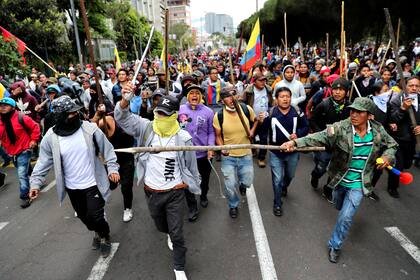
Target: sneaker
{"x": 233, "y": 212}
{"x": 373, "y": 196}
{"x": 394, "y": 193}
{"x": 96, "y": 242}
{"x": 314, "y": 182}
{"x": 333, "y": 255}
{"x": 193, "y": 215}
{"x": 242, "y": 190}
{"x": 277, "y": 211}
{"x": 25, "y": 203}
{"x": 2, "y": 177}
{"x": 327, "y": 193}
{"x": 105, "y": 247}
{"x": 261, "y": 163}
{"x": 128, "y": 215}
{"x": 6, "y": 163}
{"x": 170, "y": 245}
{"x": 204, "y": 202}
{"x": 180, "y": 275}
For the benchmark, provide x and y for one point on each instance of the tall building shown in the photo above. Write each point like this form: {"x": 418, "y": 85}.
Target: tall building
{"x": 152, "y": 10}
{"x": 179, "y": 11}
{"x": 218, "y": 23}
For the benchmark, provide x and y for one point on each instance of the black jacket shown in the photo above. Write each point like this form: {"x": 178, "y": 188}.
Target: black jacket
{"x": 325, "y": 113}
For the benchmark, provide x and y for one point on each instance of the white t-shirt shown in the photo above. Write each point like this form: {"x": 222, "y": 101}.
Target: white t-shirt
{"x": 78, "y": 169}
{"x": 260, "y": 101}
{"x": 162, "y": 169}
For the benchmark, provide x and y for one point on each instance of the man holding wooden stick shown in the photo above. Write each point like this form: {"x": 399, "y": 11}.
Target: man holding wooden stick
{"x": 356, "y": 143}
{"x": 235, "y": 125}
{"x": 166, "y": 175}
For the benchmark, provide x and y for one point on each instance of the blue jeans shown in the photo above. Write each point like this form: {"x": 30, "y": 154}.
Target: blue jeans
{"x": 237, "y": 167}
{"x": 321, "y": 160}
{"x": 347, "y": 200}
{"x": 283, "y": 169}
{"x": 23, "y": 166}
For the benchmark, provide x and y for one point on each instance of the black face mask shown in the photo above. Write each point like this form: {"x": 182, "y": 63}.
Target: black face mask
{"x": 66, "y": 126}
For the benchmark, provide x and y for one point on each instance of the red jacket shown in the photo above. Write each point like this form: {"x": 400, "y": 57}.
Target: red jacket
{"x": 22, "y": 137}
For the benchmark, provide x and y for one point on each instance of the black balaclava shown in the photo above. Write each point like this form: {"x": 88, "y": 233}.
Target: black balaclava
{"x": 66, "y": 126}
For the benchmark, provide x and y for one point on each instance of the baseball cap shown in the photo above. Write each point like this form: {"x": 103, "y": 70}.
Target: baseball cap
{"x": 168, "y": 105}
{"x": 340, "y": 83}
{"x": 158, "y": 92}
{"x": 53, "y": 88}
{"x": 65, "y": 104}
{"x": 8, "y": 101}
{"x": 363, "y": 104}
{"x": 227, "y": 91}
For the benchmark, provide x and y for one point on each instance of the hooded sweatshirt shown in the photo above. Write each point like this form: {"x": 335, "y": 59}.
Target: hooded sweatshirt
{"x": 24, "y": 101}
{"x": 296, "y": 87}
{"x": 199, "y": 123}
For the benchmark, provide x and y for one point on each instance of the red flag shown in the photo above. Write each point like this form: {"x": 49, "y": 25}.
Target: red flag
{"x": 8, "y": 37}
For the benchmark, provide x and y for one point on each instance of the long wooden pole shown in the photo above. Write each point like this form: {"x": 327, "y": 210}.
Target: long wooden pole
{"x": 342, "y": 40}
{"x": 328, "y": 49}
{"x": 92, "y": 59}
{"x": 398, "y": 31}
{"x": 410, "y": 110}
{"x": 262, "y": 48}
{"x": 143, "y": 56}
{"x": 384, "y": 57}
{"x": 166, "y": 50}
{"x": 238, "y": 53}
{"x": 285, "y": 34}
{"x": 155, "y": 149}
{"x": 232, "y": 78}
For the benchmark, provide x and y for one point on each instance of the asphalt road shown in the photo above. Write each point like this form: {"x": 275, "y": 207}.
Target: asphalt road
{"x": 46, "y": 241}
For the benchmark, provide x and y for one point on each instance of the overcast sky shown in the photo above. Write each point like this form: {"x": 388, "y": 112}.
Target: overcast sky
{"x": 237, "y": 9}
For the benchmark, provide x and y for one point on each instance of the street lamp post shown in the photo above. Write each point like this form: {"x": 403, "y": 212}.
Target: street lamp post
{"x": 76, "y": 33}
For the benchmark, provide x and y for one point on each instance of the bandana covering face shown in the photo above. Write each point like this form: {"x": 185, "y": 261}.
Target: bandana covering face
{"x": 381, "y": 101}
{"x": 66, "y": 126}
{"x": 166, "y": 126}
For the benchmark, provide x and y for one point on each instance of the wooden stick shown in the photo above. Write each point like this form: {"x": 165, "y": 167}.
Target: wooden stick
{"x": 328, "y": 49}
{"x": 43, "y": 61}
{"x": 92, "y": 59}
{"x": 398, "y": 31}
{"x": 166, "y": 50}
{"x": 241, "y": 116}
{"x": 143, "y": 56}
{"x": 238, "y": 53}
{"x": 155, "y": 149}
{"x": 285, "y": 35}
{"x": 384, "y": 57}
{"x": 262, "y": 47}
{"x": 135, "y": 48}
{"x": 410, "y": 110}
{"x": 342, "y": 40}
{"x": 232, "y": 78}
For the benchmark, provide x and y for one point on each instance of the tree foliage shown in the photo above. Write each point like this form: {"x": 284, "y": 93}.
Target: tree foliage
{"x": 183, "y": 37}
{"x": 127, "y": 27}
{"x": 10, "y": 60}
{"x": 312, "y": 19}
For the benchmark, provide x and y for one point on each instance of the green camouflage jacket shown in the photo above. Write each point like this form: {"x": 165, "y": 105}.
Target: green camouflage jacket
{"x": 338, "y": 139}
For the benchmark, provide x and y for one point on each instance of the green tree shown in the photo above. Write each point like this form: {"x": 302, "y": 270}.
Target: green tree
{"x": 183, "y": 36}
{"x": 127, "y": 27}
{"x": 39, "y": 24}
{"x": 10, "y": 60}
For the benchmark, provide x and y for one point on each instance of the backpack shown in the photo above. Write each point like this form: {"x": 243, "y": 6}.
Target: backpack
{"x": 22, "y": 123}
{"x": 244, "y": 109}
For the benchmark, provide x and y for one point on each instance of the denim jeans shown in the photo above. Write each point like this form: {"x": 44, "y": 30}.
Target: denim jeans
{"x": 23, "y": 166}
{"x": 283, "y": 169}
{"x": 237, "y": 167}
{"x": 321, "y": 160}
{"x": 262, "y": 132}
{"x": 347, "y": 200}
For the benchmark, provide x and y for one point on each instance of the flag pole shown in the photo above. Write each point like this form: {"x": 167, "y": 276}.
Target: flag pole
{"x": 342, "y": 40}
{"x": 166, "y": 50}
{"x": 43, "y": 61}
{"x": 285, "y": 35}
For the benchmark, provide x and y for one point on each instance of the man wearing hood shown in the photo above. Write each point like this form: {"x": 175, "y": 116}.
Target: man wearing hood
{"x": 166, "y": 175}
{"x": 198, "y": 121}
{"x": 19, "y": 134}
{"x": 73, "y": 147}
{"x": 295, "y": 86}
{"x": 24, "y": 101}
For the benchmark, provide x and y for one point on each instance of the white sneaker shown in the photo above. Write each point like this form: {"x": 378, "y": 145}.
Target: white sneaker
{"x": 180, "y": 275}
{"x": 170, "y": 245}
{"x": 128, "y": 215}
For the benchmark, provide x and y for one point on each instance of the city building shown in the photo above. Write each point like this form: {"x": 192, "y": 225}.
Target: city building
{"x": 153, "y": 11}
{"x": 179, "y": 11}
{"x": 218, "y": 23}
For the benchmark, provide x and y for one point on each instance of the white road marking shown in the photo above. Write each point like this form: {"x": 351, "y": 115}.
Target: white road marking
{"x": 2, "y": 225}
{"x": 50, "y": 185}
{"x": 101, "y": 266}
{"x": 268, "y": 271}
{"x": 408, "y": 246}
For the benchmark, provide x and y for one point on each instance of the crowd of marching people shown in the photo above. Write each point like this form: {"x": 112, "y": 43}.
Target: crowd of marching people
{"x": 71, "y": 122}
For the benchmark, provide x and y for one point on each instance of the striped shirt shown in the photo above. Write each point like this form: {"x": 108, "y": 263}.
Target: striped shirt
{"x": 361, "y": 151}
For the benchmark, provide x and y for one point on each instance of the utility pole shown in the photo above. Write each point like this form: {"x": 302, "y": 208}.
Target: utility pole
{"x": 256, "y": 3}
{"x": 76, "y": 33}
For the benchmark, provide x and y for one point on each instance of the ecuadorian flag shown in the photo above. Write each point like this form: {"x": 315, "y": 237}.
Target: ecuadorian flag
{"x": 253, "y": 49}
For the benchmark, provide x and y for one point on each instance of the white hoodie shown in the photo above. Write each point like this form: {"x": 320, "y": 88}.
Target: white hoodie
{"x": 295, "y": 86}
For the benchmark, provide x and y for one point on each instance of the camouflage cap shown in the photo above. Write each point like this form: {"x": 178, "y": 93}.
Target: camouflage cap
{"x": 363, "y": 104}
